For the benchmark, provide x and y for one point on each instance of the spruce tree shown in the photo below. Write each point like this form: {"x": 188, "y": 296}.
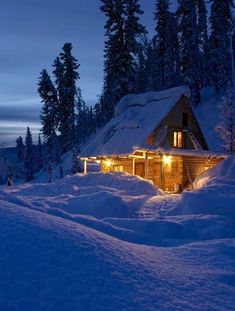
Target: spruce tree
{"x": 123, "y": 29}
{"x": 59, "y": 85}
{"x": 189, "y": 45}
{"x": 39, "y": 157}
{"x": 76, "y": 166}
{"x": 146, "y": 66}
{"x": 20, "y": 149}
{"x": 167, "y": 61}
{"x": 203, "y": 41}
{"x": 219, "y": 49}
{"x": 48, "y": 114}
{"x": 28, "y": 158}
{"x": 55, "y": 154}
{"x": 115, "y": 81}
{"x": 67, "y": 97}
{"x": 133, "y": 32}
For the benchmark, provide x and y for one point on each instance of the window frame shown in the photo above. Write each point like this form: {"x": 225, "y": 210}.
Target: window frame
{"x": 178, "y": 139}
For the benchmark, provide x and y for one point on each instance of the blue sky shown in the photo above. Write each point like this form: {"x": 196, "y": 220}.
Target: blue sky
{"x": 32, "y": 34}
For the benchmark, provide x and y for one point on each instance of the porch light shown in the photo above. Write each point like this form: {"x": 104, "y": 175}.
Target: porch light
{"x": 167, "y": 160}
{"x": 108, "y": 163}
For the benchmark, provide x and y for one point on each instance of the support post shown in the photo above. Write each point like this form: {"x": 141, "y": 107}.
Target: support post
{"x": 85, "y": 167}
{"x": 161, "y": 172}
{"x": 133, "y": 166}
{"x": 146, "y": 165}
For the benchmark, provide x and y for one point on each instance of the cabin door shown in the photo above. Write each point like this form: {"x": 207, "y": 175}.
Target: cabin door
{"x": 139, "y": 169}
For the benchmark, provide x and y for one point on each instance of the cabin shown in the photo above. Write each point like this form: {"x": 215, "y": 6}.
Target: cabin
{"x": 156, "y": 136}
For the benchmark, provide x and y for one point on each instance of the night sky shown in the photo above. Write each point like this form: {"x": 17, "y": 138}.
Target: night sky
{"x": 32, "y": 35}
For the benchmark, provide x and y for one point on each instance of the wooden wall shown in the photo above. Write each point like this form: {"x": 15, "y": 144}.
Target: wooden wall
{"x": 174, "y": 121}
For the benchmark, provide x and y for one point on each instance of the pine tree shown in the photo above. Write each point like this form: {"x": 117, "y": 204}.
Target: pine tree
{"x": 226, "y": 128}
{"x": 48, "y": 114}
{"x": 81, "y": 119}
{"x": 20, "y": 149}
{"x": 115, "y": 81}
{"x": 67, "y": 97}
{"x": 221, "y": 27}
{"x": 133, "y": 32}
{"x": 28, "y": 158}
{"x": 98, "y": 114}
{"x": 189, "y": 41}
{"x": 59, "y": 85}
{"x": 76, "y": 166}
{"x": 55, "y": 154}
{"x": 167, "y": 63}
{"x": 121, "y": 49}
{"x": 145, "y": 66}
{"x": 202, "y": 25}
{"x": 39, "y": 157}
{"x": 203, "y": 41}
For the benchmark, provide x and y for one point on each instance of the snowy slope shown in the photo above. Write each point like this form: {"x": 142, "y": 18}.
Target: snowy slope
{"x": 56, "y": 256}
{"x": 49, "y": 263}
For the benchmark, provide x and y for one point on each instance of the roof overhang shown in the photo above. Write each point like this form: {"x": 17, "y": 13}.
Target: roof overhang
{"x": 156, "y": 152}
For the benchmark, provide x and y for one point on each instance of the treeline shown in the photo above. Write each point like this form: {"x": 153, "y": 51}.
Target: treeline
{"x": 66, "y": 120}
{"x": 188, "y": 47}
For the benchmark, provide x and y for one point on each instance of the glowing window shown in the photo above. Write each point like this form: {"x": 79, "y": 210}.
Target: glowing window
{"x": 167, "y": 160}
{"x": 178, "y": 140}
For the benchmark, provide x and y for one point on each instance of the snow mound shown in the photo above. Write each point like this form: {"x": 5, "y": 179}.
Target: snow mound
{"x": 215, "y": 193}
{"x": 47, "y": 261}
{"x": 224, "y": 173}
{"x": 97, "y": 194}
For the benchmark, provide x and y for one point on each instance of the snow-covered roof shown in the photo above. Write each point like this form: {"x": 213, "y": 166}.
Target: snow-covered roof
{"x": 208, "y": 114}
{"x": 136, "y": 116}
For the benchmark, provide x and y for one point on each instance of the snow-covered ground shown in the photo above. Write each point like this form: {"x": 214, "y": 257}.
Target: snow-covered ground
{"x": 115, "y": 242}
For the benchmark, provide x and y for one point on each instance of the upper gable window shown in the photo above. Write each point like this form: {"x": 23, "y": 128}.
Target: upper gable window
{"x": 178, "y": 140}
{"x": 185, "y": 119}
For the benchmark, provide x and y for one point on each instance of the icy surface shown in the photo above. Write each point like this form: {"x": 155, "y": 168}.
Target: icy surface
{"x": 77, "y": 244}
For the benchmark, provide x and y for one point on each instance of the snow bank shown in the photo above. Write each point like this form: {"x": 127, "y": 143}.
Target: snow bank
{"x": 215, "y": 194}
{"x": 47, "y": 261}
{"x": 96, "y": 194}
{"x": 224, "y": 173}
{"x": 53, "y": 254}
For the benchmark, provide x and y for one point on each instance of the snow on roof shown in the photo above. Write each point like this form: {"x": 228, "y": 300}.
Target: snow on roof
{"x": 191, "y": 153}
{"x": 136, "y": 116}
{"x": 208, "y": 114}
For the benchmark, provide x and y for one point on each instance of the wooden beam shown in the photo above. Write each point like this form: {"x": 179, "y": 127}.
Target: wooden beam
{"x": 85, "y": 167}
{"x": 146, "y": 163}
{"x": 161, "y": 172}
